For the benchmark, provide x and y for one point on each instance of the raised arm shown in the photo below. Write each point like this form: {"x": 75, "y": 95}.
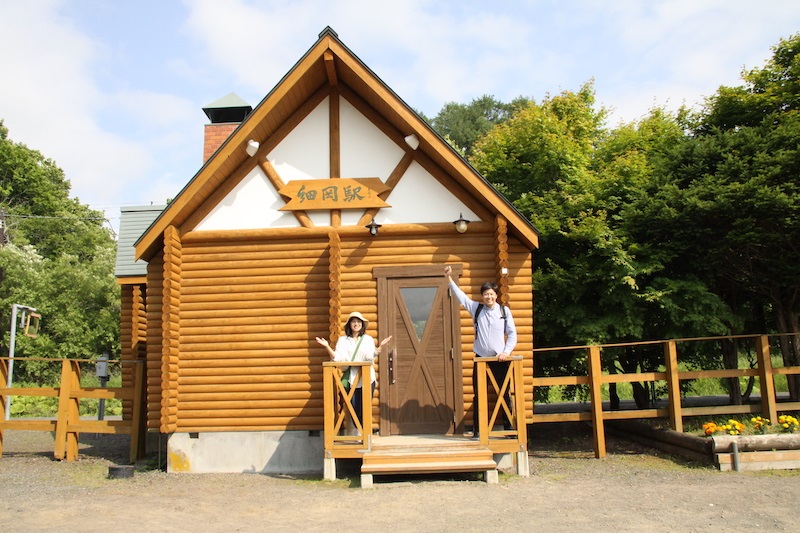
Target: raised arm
{"x": 465, "y": 301}
{"x": 326, "y": 344}
{"x": 448, "y": 271}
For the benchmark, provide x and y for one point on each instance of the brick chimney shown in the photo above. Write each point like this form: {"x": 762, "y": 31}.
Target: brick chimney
{"x": 225, "y": 115}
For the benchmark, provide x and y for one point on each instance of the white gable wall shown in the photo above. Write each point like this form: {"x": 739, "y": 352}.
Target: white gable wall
{"x": 419, "y": 197}
{"x": 253, "y": 203}
{"x": 305, "y": 154}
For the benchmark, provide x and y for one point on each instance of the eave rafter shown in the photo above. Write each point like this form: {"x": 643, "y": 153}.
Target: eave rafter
{"x": 330, "y": 68}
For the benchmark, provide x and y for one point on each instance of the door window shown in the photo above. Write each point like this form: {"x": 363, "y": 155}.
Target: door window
{"x": 419, "y": 302}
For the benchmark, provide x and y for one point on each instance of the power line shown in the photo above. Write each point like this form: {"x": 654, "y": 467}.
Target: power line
{"x": 4, "y": 216}
{"x": 11, "y": 215}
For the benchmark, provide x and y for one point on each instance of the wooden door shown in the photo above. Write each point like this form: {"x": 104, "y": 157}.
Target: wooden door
{"x": 421, "y": 389}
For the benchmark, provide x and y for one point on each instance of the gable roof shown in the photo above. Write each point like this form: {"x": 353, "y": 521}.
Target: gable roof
{"x": 328, "y": 63}
{"x": 134, "y": 220}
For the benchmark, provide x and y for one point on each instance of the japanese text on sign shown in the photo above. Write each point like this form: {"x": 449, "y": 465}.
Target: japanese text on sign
{"x": 336, "y": 193}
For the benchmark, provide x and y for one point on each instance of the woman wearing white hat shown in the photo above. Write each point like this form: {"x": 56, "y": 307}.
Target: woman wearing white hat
{"x": 356, "y": 345}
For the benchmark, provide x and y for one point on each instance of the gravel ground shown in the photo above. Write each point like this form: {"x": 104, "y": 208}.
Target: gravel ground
{"x": 633, "y": 489}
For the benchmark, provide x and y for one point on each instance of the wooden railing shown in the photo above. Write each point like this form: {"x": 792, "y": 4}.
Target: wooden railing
{"x": 339, "y": 414}
{"x": 68, "y": 424}
{"x": 675, "y": 409}
{"x": 346, "y": 437}
{"x": 514, "y": 439}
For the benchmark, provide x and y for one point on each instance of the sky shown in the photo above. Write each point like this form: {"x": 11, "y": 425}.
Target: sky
{"x": 113, "y": 90}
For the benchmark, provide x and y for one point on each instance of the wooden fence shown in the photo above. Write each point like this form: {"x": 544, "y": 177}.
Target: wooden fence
{"x": 676, "y": 407}
{"x": 68, "y": 424}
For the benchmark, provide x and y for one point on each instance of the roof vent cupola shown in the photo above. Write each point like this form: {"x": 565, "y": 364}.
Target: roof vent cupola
{"x": 225, "y": 115}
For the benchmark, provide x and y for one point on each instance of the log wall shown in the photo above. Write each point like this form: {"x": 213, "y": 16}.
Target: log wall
{"x": 126, "y": 334}
{"x": 153, "y": 305}
{"x": 249, "y": 313}
{"x": 239, "y": 317}
{"x": 171, "y": 329}
{"x": 133, "y": 335}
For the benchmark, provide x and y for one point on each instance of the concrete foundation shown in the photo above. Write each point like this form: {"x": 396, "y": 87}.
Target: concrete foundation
{"x": 258, "y": 452}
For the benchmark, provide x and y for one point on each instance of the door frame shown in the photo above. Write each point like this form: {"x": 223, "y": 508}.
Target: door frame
{"x": 383, "y": 275}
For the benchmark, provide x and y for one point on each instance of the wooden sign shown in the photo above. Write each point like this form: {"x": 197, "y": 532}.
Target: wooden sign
{"x": 335, "y": 193}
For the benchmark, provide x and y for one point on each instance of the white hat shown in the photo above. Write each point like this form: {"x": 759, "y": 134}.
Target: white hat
{"x": 356, "y": 314}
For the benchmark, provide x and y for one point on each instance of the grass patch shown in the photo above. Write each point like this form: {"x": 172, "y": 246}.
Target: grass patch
{"x": 47, "y": 406}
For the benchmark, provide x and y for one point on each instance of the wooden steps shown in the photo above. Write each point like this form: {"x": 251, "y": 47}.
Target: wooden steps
{"x": 426, "y": 456}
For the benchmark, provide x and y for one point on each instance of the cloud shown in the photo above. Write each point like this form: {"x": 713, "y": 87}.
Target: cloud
{"x": 118, "y": 107}
{"x": 104, "y": 139}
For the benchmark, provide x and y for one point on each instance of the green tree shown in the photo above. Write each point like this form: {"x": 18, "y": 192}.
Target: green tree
{"x": 58, "y": 258}
{"x": 463, "y": 124}
{"x": 728, "y": 199}
{"x": 595, "y": 282}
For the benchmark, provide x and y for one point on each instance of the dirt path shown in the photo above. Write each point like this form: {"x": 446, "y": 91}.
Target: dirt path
{"x": 634, "y": 489}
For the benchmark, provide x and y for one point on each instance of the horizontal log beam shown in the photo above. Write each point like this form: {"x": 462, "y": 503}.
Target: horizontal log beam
{"x": 289, "y": 423}
{"x": 748, "y": 443}
{"x": 240, "y": 416}
{"x": 187, "y": 409}
{"x": 241, "y": 302}
{"x": 262, "y": 394}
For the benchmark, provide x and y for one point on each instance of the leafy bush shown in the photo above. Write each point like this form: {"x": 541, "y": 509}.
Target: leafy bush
{"x": 47, "y": 406}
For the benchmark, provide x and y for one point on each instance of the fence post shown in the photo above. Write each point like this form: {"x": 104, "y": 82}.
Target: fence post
{"x": 766, "y": 379}
{"x": 673, "y": 385}
{"x": 62, "y": 420}
{"x": 596, "y": 396}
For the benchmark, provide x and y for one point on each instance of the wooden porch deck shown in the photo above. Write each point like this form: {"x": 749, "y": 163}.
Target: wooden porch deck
{"x": 425, "y": 454}
{"x": 429, "y": 454}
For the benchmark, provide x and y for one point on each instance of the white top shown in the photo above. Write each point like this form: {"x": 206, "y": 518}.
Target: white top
{"x": 345, "y": 347}
{"x": 495, "y": 335}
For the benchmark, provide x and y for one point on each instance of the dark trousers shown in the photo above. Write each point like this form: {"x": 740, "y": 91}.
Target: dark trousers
{"x": 499, "y": 369}
{"x": 357, "y": 401}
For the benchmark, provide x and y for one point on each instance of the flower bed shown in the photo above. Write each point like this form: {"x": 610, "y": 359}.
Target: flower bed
{"x": 759, "y": 445}
{"x": 768, "y": 447}
{"x": 757, "y": 452}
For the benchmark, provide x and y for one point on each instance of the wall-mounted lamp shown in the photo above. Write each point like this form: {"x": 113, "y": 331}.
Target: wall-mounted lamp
{"x": 373, "y": 227}
{"x": 461, "y": 223}
{"x": 412, "y": 141}
{"x": 252, "y": 147}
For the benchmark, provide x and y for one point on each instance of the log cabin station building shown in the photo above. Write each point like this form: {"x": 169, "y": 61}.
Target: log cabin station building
{"x": 331, "y": 196}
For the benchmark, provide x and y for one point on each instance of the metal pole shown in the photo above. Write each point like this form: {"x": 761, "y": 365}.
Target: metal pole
{"x": 11, "y": 347}
{"x": 102, "y": 375}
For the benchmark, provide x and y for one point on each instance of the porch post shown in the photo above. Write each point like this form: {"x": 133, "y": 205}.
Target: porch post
{"x": 329, "y": 466}
{"x": 523, "y": 469}
{"x": 482, "y": 404}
